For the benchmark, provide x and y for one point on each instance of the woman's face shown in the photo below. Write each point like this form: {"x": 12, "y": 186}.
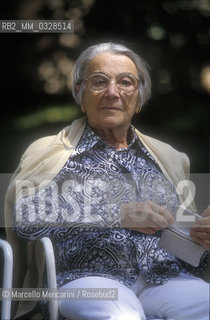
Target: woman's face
{"x": 110, "y": 108}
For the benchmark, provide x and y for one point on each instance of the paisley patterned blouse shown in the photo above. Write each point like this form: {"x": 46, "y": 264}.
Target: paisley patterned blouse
{"x": 79, "y": 210}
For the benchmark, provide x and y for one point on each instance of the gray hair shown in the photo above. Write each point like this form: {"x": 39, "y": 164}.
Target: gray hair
{"x": 80, "y": 67}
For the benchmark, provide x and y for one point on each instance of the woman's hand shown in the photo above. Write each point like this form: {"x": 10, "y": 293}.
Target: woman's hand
{"x": 200, "y": 232}
{"x": 145, "y": 216}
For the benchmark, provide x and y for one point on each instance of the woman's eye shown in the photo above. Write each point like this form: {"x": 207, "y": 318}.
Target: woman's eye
{"x": 99, "y": 81}
{"x": 125, "y": 82}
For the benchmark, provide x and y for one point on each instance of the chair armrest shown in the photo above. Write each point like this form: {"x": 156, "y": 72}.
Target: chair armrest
{"x": 51, "y": 274}
{"x": 7, "y": 278}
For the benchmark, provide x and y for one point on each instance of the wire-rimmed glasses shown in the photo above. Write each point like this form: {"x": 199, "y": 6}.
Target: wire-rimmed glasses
{"x": 125, "y": 82}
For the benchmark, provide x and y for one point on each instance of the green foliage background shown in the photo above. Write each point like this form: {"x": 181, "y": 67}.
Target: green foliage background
{"x": 172, "y": 36}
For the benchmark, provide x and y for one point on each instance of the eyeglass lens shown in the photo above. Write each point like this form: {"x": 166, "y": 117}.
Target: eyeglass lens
{"x": 124, "y": 82}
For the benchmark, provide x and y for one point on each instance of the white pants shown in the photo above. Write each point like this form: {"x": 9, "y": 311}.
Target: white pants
{"x": 182, "y": 298}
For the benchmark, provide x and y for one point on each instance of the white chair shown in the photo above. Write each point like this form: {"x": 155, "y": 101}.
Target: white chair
{"x": 50, "y": 272}
{"x": 7, "y": 278}
{"x": 51, "y": 275}
{"x": 8, "y": 270}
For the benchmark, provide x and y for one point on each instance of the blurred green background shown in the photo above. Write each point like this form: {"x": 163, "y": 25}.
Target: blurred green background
{"x": 173, "y": 36}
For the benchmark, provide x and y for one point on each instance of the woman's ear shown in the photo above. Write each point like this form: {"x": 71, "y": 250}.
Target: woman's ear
{"x": 138, "y": 104}
{"x": 83, "y": 108}
{"x": 138, "y": 108}
{"x": 83, "y": 104}
{"x": 77, "y": 87}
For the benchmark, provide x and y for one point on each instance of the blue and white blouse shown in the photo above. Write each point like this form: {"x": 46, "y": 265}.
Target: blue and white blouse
{"x": 80, "y": 211}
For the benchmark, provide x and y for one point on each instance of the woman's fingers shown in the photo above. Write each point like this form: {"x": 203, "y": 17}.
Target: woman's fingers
{"x": 162, "y": 212}
{"x": 202, "y": 226}
{"x": 201, "y": 235}
{"x": 206, "y": 212}
{"x": 200, "y": 232}
{"x": 154, "y": 215}
{"x": 145, "y": 216}
{"x": 202, "y": 242}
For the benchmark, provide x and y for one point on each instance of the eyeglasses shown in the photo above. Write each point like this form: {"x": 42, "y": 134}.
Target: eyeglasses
{"x": 125, "y": 82}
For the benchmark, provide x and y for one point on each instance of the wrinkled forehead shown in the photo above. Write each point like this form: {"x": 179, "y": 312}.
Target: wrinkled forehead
{"x": 111, "y": 64}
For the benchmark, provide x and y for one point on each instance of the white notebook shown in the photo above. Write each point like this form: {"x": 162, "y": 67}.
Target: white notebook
{"x": 177, "y": 239}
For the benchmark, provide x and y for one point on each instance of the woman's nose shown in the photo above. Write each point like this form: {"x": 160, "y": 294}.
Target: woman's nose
{"x": 112, "y": 90}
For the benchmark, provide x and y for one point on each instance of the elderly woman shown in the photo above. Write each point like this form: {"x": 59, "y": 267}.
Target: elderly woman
{"x": 103, "y": 192}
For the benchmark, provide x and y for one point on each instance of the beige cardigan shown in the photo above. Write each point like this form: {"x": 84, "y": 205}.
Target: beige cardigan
{"x": 46, "y": 156}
